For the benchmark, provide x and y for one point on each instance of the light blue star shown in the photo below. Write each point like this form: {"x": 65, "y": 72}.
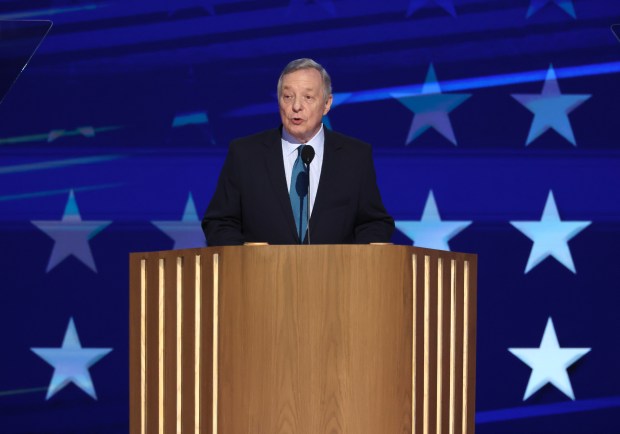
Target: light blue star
{"x": 71, "y": 235}
{"x": 550, "y": 236}
{"x": 447, "y": 5}
{"x": 566, "y": 5}
{"x": 187, "y": 232}
{"x": 430, "y": 231}
{"x": 71, "y": 363}
{"x": 431, "y": 108}
{"x": 551, "y": 109}
{"x": 549, "y": 363}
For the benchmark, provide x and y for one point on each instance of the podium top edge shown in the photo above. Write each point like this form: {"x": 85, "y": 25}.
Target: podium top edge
{"x": 305, "y": 248}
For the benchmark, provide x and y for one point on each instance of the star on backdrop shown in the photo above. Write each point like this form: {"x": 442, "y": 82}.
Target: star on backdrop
{"x": 71, "y": 235}
{"x": 430, "y": 231}
{"x": 551, "y": 109}
{"x": 549, "y": 363}
{"x": 431, "y": 108}
{"x": 174, "y": 6}
{"x": 327, "y": 5}
{"x": 71, "y": 363}
{"x": 338, "y": 98}
{"x": 187, "y": 232}
{"x": 566, "y": 5}
{"x": 415, "y": 5}
{"x": 86, "y": 131}
{"x": 550, "y": 236}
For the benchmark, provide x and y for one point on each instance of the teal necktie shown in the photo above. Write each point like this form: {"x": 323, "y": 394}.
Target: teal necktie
{"x": 299, "y": 195}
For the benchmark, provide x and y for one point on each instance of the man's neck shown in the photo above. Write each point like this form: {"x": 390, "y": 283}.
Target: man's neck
{"x": 286, "y": 135}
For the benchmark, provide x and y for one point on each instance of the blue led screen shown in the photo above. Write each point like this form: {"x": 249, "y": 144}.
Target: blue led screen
{"x": 495, "y": 127}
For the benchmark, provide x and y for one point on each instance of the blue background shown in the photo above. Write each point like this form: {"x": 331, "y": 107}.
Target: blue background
{"x": 131, "y": 106}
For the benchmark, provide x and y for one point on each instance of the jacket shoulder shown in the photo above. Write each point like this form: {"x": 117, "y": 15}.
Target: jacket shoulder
{"x": 265, "y": 137}
{"x": 349, "y": 143}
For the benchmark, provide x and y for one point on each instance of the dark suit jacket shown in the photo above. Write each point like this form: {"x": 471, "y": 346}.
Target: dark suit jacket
{"x": 251, "y": 202}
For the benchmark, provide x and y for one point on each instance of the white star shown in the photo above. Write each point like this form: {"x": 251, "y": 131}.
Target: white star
{"x": 187, "y": 232}
{"x": 549, "y": 363}
{"x": 71, "y": 235}
{"x": 550, "y": 236}
{"x": 71, "y": 363}
{"x": 430, "y": 231}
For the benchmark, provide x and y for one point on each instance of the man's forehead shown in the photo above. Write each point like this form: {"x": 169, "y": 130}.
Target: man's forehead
{"x": 308, "y": 75}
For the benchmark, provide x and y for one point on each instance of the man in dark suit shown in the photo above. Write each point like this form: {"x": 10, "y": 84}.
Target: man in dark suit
{"x": 262, "y": 192}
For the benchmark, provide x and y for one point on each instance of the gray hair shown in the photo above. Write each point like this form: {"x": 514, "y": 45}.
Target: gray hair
{"x": 306, "y": 63}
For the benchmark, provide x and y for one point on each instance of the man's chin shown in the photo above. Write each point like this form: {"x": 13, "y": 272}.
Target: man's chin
{"x": 297, "y": 132}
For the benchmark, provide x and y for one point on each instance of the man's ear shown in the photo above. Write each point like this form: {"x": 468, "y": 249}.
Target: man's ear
{"x": 328, "y": 104}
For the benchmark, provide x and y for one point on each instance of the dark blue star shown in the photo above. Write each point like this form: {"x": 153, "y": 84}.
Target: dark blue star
{"x": 566, "y": 5}
{"x": 551, "y": 109}
{"x": 431, "y": 108}
{"x": 447, "y": 5}
{"x": 186, "y": 233}
{"x": 71, "y": 235}
{"x": 327, "y": 5}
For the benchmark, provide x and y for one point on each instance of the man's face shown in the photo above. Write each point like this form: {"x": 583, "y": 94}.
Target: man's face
{"x": 302, "y": 103}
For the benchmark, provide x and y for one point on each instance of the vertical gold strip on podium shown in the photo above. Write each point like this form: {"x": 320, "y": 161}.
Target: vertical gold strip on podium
{"x": 160, "y": 340}
{"x": 143, "y": 346}
{"x": 451, "y": 424}
{"x": 440, "y": 332}
{"x": 414, "y": 301}
{"x": 427, "y": 338}
{"x": 215, "y": 337}
{"x": 466, "y": 311}
{"x": 179, "y": 342}
{"x": 197, "y": 337}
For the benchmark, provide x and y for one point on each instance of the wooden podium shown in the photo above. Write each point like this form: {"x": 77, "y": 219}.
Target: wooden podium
{"x": 302, "y": 340}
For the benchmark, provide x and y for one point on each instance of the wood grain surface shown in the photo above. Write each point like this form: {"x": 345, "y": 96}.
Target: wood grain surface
{"x": 311, "y": 340}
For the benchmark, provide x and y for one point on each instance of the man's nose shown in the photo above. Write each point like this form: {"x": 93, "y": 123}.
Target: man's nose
{"x": 297, "y": 104}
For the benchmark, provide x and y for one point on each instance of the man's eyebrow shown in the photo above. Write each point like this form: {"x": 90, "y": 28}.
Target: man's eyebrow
{"x": 305, "y": 89}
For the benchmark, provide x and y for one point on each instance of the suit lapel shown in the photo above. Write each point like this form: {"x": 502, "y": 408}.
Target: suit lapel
{"x": 275, "y": 168}
{"x": 329, "y": 176}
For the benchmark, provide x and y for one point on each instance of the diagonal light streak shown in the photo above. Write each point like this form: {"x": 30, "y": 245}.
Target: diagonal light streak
{"x": 44, "y": 137}
{"x": 386, "y": 93}
{"x": 22, "y": 391}
{"x": 531, "y": 411}
{"x": 31, "y": 167}
{"x": 48, "y": 12}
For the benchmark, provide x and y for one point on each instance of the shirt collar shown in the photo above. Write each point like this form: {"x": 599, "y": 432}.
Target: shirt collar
{"x": 291, "y": 144}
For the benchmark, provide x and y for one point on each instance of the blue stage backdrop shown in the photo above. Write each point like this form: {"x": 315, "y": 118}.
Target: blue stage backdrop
{"x": 496, "y": 130}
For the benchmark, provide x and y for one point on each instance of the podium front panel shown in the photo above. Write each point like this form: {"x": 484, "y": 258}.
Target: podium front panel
{"x": 302, "y": 339}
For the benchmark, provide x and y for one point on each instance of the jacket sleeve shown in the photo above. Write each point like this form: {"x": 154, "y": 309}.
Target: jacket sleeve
{"x": 222, "y": 222}
{"x": 373, "y": 224}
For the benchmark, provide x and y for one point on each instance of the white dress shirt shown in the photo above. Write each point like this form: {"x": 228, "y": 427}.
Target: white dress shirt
{"x": 289, "y": 153}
